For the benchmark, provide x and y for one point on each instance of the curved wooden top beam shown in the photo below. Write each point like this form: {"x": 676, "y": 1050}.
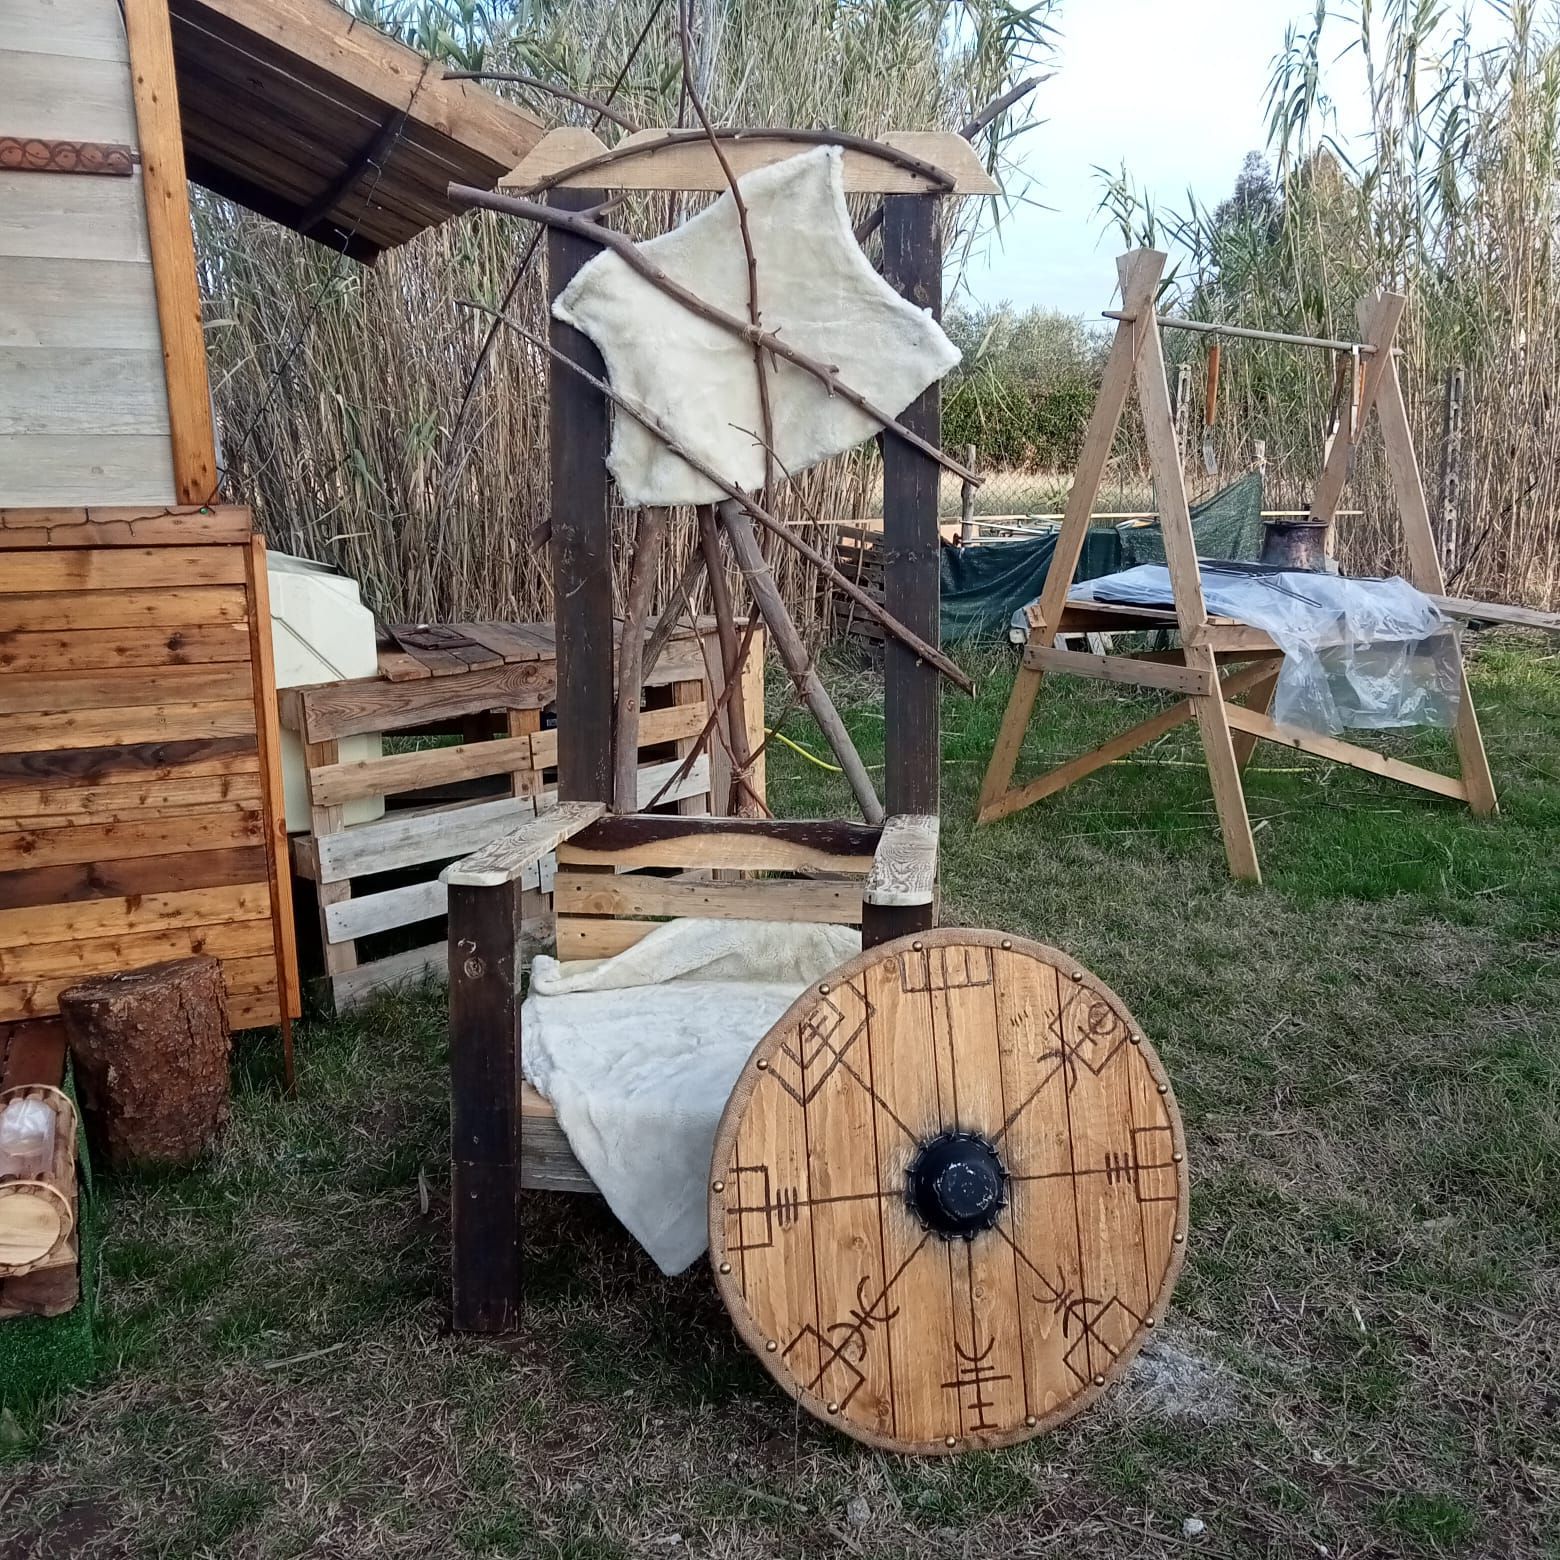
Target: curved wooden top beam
{"x": 692, "y": 164}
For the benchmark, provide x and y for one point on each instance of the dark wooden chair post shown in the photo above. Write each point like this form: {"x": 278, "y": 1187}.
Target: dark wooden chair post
{"x": 484, "y": 929}
{"x": 484, "y": 920}
{"x": 912, "y": 262}
{"x": 581, "y": 535}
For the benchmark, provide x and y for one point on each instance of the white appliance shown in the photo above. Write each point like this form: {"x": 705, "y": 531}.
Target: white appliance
{"x": 320, "y": 632}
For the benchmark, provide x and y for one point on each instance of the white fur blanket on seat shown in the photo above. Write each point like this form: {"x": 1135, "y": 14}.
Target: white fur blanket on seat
{"x": 639, "y": 1054}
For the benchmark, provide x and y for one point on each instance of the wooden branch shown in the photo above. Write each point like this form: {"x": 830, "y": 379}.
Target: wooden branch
{"x": 595, "y": 105}
{"x": 629, "y": 252}
{"x": 661, "y": 634}
{"x": 732, "y": 655}
{"x": 712, "y": 722}
{"x": 939, "y": 179}
{"x": 767, "y": 597}
{"x": 631, "y": 658}
{"x": 1000, "y": 105}
{"x": 755, "y": 314}
{"x": 874, "y": 218}
{"x": 643, "y": 415}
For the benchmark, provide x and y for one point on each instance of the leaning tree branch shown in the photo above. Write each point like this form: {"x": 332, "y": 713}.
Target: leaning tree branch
{"x": 711, "y": 725}
{"x": 767, "y": 598}
{"x": 941, "y": 181}
{"x": 648, "y": 419}
{"x": 733, "y": 658}
{"x": 628, "y": 251}
{"x": 667, "y": 622}
{"x": 631, "y": 657}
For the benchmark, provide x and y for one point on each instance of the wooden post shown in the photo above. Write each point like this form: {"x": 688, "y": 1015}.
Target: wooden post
{"x": 172, "y": 243}
{"x": 1424, "y": 563}
{"x": 484, "y": 930}
{"x": 912, "y": 264}
{"x": 581, "y": 535}
{"x": 1191, "y": 611}
{"x": 1137, "y": 298}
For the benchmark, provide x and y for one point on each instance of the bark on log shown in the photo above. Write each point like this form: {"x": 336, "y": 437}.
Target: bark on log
{"x": 150, "y": 1048}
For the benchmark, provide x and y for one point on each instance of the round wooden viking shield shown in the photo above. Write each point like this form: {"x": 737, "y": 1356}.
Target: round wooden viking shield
{"x": 948, "y": 1194}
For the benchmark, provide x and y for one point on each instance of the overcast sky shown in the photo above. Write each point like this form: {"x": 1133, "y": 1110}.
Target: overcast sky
{"x": 1178, "y": 92}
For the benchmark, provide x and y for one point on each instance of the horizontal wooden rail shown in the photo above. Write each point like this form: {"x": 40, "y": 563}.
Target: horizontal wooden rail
{"x": 1246, "y": 332}
{"x": 1367, "y": 759}
{"x": 752, "y": 844}
{"x": 1195, "y": 681}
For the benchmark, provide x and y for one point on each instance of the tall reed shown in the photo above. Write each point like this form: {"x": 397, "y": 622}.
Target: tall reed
{"x": 1450, "y": 195}
{"x": 339, "y": 387}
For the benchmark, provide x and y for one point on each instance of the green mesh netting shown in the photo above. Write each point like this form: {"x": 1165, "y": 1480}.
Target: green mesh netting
{"x": 1227, "y": 525}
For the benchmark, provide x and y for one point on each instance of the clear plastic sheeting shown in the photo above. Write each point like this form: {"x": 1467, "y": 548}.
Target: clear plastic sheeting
{"x": 1366, "y": 654}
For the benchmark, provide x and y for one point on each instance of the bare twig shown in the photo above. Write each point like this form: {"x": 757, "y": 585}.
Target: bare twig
{"x": 648, "y": 419}
{"x": 733, "y": 663}
{"x": 453, "y": 467}
{"x": 755, "y": 314}
{"x": 873, "y": 220}
{"x": 595, "y": 105}
{"x": 628, "y": 251}
{"x": 939, "y": 179}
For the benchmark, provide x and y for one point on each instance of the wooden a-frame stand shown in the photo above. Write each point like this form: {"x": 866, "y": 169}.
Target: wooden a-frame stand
{"x": 1228, "y": 730}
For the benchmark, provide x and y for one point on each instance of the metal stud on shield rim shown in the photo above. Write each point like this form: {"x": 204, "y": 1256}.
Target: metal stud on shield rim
{"x": 948, "y": 1194}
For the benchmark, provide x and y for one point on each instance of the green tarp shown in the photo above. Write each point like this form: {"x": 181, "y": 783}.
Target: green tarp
{"x": 983, "y": 586}
{"x": 1227, "y": 525}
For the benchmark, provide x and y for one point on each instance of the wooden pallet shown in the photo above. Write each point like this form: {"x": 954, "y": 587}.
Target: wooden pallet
{"x": 378, "y": 882}
{"x": 139, "y": 785}
{"x": 858, "y": 554}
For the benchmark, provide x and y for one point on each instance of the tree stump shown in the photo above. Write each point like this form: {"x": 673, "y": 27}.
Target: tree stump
{"x": 150, "y": 1048}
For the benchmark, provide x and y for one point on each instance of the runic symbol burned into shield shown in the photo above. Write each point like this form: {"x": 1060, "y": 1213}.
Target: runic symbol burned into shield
{"x": 802, "y": 1066}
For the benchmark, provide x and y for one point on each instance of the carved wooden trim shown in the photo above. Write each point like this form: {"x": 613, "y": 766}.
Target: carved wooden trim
{"x": 33, "y": 154}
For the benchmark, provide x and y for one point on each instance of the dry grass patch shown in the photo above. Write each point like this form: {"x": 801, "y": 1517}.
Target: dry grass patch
{"x": 1361, "y": 1359}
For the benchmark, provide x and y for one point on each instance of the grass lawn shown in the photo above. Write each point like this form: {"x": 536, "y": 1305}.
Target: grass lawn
{"x": 1363, "y": 1357}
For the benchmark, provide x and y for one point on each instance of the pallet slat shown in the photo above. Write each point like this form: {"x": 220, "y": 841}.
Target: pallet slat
{"x": 134, "y": 913}
{"x": 177, "y": 607}
{"x": 87, "y": 649}
{"x": 129, "y": 727}
{"x": 762, "y": 899}
{"x": 120, "y": 568}
{"x": 125, "y": 688}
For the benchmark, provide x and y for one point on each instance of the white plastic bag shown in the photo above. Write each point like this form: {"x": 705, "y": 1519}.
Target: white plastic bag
{"x": 1367, "y": 654}
{"x": 26, "y": 1138}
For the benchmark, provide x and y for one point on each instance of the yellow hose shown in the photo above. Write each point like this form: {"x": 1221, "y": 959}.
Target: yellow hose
{"x": 796, "y": 747}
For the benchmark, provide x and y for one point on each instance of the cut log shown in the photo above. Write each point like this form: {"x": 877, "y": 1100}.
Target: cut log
{"x": 150, "y": 1048}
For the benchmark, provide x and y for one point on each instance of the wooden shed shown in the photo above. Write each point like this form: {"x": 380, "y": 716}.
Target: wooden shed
{"x": 140, "y": 793}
